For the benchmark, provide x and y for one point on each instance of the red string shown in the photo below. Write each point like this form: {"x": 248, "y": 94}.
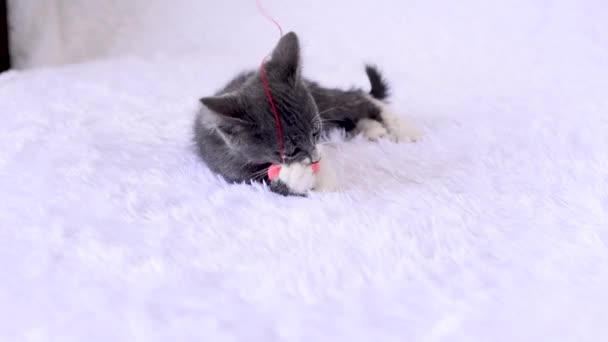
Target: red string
{"x": 268, "y": 16}
{"x": 265, "y": 82}
{"x": 274, "y": 109}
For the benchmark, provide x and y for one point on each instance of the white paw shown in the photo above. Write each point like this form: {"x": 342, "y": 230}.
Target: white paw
{"x": 371, "y": 129}
{"x": 398, "y": 129}
{"x": 298, "y": 177}
{"x": 403, "y": 132}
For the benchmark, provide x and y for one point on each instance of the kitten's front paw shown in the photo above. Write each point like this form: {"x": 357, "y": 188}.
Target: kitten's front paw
{"x": 299, "y": 178}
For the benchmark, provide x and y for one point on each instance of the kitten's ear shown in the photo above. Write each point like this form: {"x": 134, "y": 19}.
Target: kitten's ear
{"x": 285, "y": 59}
{"x": 228, "y": 106}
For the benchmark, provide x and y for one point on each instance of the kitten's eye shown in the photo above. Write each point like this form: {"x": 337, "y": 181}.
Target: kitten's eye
{"x": 296, "y": 152}
{"x": 316, "y": 132}
{"x": 316, "y": 128}
{"x": 277, "y": 155}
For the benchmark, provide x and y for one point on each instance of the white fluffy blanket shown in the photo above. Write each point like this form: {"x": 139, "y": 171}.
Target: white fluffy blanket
{"x": 494, "y": 227}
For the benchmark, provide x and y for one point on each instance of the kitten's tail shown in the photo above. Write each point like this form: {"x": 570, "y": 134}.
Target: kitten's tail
{"x": 379, "y": 85}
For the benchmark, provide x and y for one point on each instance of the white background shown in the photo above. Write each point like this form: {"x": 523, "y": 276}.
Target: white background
{"x": 494, "y": 227}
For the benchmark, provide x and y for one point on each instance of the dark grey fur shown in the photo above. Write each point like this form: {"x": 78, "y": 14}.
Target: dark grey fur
{"x": 235, "y": 131}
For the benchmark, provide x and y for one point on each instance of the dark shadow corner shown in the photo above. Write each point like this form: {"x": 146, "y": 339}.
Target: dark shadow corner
{"x": 5, "y": 62}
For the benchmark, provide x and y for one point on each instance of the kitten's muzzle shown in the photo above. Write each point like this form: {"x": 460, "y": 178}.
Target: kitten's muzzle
{"x": 304, "y": 157}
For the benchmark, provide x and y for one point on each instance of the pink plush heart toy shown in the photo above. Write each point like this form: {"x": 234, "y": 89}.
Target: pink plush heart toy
{"x": 274, "y": 170}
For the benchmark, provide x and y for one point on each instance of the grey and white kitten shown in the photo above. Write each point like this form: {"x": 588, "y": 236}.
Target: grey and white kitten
{"x": 236, "y": 134}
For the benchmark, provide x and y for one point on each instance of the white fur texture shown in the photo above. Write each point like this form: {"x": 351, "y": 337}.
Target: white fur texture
{"x": 492, "y": 227}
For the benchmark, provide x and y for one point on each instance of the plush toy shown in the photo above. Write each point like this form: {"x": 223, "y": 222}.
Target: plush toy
{"x": 274, "y": 170}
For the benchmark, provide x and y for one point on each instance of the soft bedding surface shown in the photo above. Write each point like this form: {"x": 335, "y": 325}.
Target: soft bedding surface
{"x": 493, "y": 227}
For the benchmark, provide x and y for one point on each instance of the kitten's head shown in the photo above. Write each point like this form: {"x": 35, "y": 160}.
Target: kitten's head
{"x": 245, "y": 119}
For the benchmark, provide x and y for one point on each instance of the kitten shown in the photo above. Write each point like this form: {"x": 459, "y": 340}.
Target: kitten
{"x": 236, "y": 134}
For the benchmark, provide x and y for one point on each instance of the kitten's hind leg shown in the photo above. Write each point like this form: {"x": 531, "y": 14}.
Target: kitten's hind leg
{"x": 372, "y": 129}
{"x": 399, "y": 130}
